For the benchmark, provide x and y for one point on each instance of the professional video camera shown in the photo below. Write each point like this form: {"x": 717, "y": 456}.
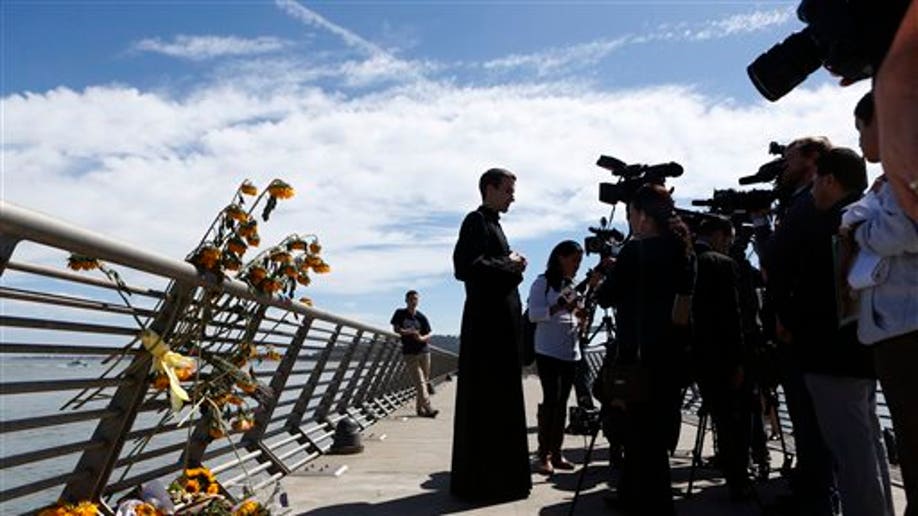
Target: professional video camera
{"x": 770, "y": 171}
{"x": 848, "y": 37}
{"x": 632, "y": 177}
{"x": 730, "y": 201}
{"x": 605, "y": 241}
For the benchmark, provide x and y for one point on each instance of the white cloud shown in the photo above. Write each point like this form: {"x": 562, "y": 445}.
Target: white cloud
{"x": 385, "y": 178}
{"x": 563, "y": 59}
{"x": 199, "y": 48}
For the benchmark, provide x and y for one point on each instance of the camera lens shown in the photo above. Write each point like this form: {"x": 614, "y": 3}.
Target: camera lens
{"x": 776, "y": 72}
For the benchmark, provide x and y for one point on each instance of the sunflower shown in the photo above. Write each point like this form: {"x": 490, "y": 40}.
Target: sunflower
{"x": 85, "y": 509}
{"x": 297, "y": 245}
{"x": 243, "y": 424}
{"x": 253, "y": 239}
{"x": 79, "y": 262}
{"x": 289, "y": 271}
{"x": 280, "y": 189}
{"x": 322, "y": 268}
{"x": 145, "y": 509}
{"x": 248, "y": 188}
{"x": 192, "y": 486}
{"x": 213, "y": 489}
{"x": 235, "y": 212}
{"x": 231, "y": 262}
{"x": 185, "y": 373}
{"x": 281, "y": 256}
{"x": 315, "y": 248}
{"x": 57, "y": 510}
{"x": 237, "y": 246}
{"x": 248, "y": 229}
{"x": 256, "y": 274}
{"x": 160, "y": 382}
{"x": 248, "y": 508}
{"x": 207, "y": 257}
{"x": 270, "y": 286}
{"x": 303, "y": 279}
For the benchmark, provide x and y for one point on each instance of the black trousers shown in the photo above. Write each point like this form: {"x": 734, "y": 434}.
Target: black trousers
{"x": 557, "y": 378}
{"x": 730, "y": 410}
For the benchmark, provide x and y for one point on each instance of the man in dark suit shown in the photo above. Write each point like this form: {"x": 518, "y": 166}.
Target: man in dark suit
{"x": 718, "y": 349}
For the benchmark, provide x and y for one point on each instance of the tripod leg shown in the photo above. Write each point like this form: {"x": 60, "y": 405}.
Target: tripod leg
{"x": 586, "y": 462}
{"x": 697, "y": 451}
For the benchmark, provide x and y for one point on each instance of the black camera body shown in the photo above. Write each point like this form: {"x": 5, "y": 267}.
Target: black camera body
{"x": 604, "y": 241}
{"x": 771, "y": 171}
{"x": 848, "y": 37}
{"x": 632, "y": 178}
{"x": 730, "y": 201}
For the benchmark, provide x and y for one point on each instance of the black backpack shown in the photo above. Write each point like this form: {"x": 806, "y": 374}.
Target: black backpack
{"x": 527, "y": 353}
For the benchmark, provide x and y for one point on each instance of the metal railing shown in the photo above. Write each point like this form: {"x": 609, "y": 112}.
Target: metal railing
{"x": 80, "y": 421}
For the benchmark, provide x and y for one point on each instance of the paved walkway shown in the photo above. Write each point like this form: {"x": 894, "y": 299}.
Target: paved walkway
{"x": 407, "y": 472}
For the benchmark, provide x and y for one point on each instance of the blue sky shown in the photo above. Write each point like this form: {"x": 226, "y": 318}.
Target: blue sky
{"x": 142, "y": 117}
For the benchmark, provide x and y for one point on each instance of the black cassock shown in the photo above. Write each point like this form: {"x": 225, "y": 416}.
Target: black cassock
{"x": 490, "y": 449}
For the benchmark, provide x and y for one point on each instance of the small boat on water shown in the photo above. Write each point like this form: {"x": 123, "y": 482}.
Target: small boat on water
{"x": 77, "y": 363}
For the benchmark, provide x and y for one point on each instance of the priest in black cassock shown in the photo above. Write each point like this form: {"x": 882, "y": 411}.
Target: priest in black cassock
{"x": 490, "y": 448}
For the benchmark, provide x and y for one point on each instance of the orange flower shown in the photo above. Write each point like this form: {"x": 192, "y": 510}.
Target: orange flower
{"x": 248, "y": 388}
{"x": 322, "y": 268}
{"x": 253, "y": 239}
{"x": 248, "y": 508}
{"x": 145, "y": 509}
{"x": 289, "y": 271}
{"x": 271, "y": 354}
{"x": 215, "y": 433}
{"x": 184, "y": 374}
{"x": 315, "y": 248}
{"x": 248, "y": 188}
{"x": 232, "y": 399}
{"x": 236, "y": 213}
{"x": 248, "y": 229}
{"x": 303, "y": 279}
{"x": 191, "y": 485}
{"x": 207, "y": 257}
{"x": 160, "y": 382}
{"x": 281, "y": 256}
{"x": 243, "y": 424}
{"x": 231, "y": 262}
{"x": 280, "y": 189}
{"x": 297, "y": 245}
{"x": 270, "y": 286}
{"x": 237, "y": 246}
{"x": 256, "y": 274}
{"x": 213, "y": 489}
{"x": 79, "y": 262}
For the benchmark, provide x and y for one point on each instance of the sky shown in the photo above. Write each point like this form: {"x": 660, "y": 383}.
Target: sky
{"x": 138, "y": 120}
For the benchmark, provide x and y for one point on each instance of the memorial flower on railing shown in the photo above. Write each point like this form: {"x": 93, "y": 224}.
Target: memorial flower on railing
{"x": 84, "y": 508}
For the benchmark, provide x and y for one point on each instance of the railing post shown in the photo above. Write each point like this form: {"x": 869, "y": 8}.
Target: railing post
{"x": 302, "y": 403}
{"x": 372, "y": 378}
{"x": 384, "y": 374}
{"x": 7, "y": 245}
{"x": 328, "y": 397}
{"x": 348, "y": 397}
{"x": 126, "y": 401}
{"x": 278, "y": 382}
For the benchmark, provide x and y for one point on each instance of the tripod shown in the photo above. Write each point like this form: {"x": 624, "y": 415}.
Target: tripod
{"x": 586, "y": 458}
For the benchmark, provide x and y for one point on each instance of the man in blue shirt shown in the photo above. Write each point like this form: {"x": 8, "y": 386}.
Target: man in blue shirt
{"x": 414, "y": 329}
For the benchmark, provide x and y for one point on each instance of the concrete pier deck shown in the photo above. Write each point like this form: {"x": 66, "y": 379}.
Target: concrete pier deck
{"x": 407, "y": 472}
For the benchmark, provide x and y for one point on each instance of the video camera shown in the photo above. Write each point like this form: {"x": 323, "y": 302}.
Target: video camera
{"x": 605, "y": 241}
{"x": 770, "y": 171}
{"x": 730, "y": 201}
{"x": 632, "y": 177}
{"x": 848, "y": 37}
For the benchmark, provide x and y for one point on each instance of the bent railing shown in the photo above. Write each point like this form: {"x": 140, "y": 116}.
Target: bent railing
{"x": 78, "y": 417}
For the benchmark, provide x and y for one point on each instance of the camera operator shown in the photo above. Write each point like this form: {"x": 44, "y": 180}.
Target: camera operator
{"x": 553, "y": 307}
{"x": 718, "y": 349}
{"x": 653, "y": 267}
{"x": 888, "y": 320}
{"x": 781, "y": 255}
{"x": 838, "y": 371}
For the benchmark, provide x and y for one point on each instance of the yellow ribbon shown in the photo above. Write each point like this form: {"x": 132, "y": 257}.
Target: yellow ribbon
{"x": 167, "y": 361}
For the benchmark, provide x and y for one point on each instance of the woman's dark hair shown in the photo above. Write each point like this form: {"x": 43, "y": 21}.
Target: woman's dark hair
{"x": 655, "y": 201}
{"x": 553, "y": 269}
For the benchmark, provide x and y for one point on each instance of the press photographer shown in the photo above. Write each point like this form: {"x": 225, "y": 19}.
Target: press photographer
{"x": 654, "y": 269}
